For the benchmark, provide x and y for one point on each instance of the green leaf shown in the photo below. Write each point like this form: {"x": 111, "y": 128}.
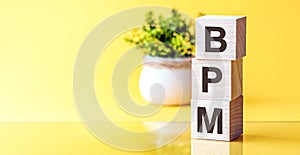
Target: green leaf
{"x": 165, "y": 36}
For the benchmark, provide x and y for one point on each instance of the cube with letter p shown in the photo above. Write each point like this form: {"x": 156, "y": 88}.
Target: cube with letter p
{"x": 217, "y": 79}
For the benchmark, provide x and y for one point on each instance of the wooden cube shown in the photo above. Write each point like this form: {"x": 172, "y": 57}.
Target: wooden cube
{"x": 217, "y": 120}
{"x": 217, "y": 79}
{"x": 209, "y": 147}
{"x": 220, "y": 37}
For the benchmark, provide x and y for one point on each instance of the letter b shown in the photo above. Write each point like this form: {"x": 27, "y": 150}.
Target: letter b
{"x": 209, "y": 39}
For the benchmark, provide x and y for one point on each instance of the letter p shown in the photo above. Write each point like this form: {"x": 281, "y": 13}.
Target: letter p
{"x": 206, "y": 80}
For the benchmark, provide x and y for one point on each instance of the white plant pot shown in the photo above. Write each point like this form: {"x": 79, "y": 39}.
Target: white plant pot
{"x": 166, "y": 80}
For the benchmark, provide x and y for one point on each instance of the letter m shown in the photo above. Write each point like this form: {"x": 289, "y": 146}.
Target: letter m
{"x": 209, "y": 125}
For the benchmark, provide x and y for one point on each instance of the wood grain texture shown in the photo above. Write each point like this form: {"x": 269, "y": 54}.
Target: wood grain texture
{"x": 235, "y": 37}
{"x": 241, "y": 37}
{"x": 236, "y": 78}
{"x": 228, "y": 88}
{"x": 232, "y": 119}
{"x": 236, "y": 117}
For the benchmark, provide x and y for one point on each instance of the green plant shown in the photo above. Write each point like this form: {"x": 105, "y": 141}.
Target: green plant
{"x": 170, "y": 37}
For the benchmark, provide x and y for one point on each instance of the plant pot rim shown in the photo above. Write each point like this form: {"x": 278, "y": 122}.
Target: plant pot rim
{"x": 148, "y": 57}
{"x": 159, "y": 62}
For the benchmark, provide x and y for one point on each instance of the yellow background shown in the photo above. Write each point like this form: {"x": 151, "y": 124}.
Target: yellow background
{"x": 39, "y": 41}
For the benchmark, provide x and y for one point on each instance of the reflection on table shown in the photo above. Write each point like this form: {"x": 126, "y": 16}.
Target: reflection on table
{"x": 53, "y": 138}
{"x": 211, "y": 147}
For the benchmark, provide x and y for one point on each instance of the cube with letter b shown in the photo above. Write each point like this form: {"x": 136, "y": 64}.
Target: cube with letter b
{"x": 220, "y": 37}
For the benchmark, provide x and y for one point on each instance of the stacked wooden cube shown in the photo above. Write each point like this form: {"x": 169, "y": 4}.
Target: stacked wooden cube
{"x": 217, "y": 80}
